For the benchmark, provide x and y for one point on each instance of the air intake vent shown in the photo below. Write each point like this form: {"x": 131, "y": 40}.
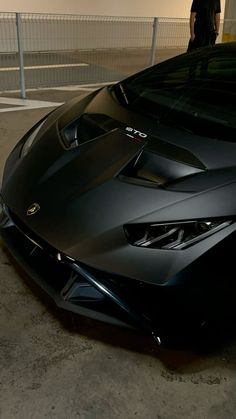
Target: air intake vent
{"x": 154, "y": 170}
{"x": 80, "y": 131}
{"x": 144, "y": 169}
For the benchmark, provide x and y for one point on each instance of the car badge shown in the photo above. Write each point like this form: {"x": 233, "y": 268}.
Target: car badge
{"x": 33, "y": 208}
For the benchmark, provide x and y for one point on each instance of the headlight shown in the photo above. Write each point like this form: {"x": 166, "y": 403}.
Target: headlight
{"x": 175, "y": 236}
{"x": 31, "y": 138}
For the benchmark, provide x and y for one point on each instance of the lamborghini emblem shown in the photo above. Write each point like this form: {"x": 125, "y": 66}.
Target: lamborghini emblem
{"x": 33, "y": 208}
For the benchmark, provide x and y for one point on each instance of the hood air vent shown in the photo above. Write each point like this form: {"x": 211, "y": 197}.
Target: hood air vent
{"x": 80, "y": 131}
{"x": 151, "y": 169}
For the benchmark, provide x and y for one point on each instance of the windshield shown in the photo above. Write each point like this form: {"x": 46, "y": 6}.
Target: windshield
{"x": 195, "y": 92}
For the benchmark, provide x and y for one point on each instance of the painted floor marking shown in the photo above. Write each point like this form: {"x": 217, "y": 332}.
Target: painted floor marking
{"x": 45, "y": 67}
{"x": 71, "y": 87}
{"x": 86, "y": 87}
{"x": 25, "y": 104}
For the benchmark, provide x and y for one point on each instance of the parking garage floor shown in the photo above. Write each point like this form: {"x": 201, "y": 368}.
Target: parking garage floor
{"x": 57, "y": 365}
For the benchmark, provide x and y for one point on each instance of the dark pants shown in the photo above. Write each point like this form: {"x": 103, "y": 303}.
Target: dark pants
{"x": 202, "y": 40}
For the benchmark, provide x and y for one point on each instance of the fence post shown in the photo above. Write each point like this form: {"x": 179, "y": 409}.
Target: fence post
{"x": 21, "y": 57}
{"x": 154, "y": 40}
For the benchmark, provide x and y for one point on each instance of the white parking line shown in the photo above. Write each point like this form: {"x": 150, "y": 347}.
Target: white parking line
{"x": 25, "y": 104}
{"x": 85, "y": 87}
{"x": 38, "y": 67}
{"x": 92, "y": 86}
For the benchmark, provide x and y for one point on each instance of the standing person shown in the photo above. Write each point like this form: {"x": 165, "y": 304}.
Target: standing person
{"x": 204, "y": 23}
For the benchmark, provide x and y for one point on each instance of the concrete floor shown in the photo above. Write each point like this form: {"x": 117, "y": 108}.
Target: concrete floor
{"x": 97, "y": 66}
{"x": 57, "y": 365}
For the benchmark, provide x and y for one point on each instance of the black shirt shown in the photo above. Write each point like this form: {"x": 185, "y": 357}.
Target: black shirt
{"x": 205, "y": 14}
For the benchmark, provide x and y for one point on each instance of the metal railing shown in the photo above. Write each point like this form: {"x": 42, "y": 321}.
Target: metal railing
{"x": 42, "y": 50}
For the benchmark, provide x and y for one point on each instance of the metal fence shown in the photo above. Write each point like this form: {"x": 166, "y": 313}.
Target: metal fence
{"x": 41, "y": 50}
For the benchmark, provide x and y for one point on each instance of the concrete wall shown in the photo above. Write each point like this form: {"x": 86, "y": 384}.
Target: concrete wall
{"x": 160, "y": 8}
{"x": 229, "y": 25}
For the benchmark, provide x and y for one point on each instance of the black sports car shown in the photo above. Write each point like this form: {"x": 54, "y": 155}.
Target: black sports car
{"x": 121, "y": 204}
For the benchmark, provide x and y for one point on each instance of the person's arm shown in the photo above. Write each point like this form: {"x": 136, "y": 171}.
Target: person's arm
{"x": 217, "y": 23}
{"x": 191, "y": 24}
{"x": 217, "y": 16}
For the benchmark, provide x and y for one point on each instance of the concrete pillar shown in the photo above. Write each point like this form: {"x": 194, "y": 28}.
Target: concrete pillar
{"x": 229, "y": 29}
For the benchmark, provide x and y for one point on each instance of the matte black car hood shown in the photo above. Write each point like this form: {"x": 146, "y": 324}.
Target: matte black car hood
{"x": 84, "y": 189}
{"x": 88, "y": 193}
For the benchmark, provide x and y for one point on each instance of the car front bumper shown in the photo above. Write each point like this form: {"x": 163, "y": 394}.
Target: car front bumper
{"x": 76, "y": 287}
{"x": 72, "y": 285}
